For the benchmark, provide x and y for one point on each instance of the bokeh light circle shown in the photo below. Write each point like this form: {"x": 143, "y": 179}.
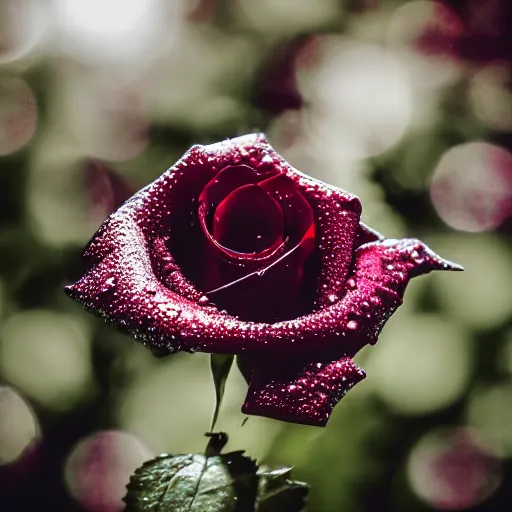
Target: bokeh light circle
{"x": 99, "y": 467}
{"x": 19, "y": 427}
{"x": 286, "y": 16}
{"x": 421, "y": 364}
{"x": 480, "y": 297}
{"x": 114, "y": 31}
{"x": 346, "y": 115}
{"x": 431, "y": 27}
{"x": 176, "y": 421}
{"x": 426, "y": 36}
{"x": 471, "y": 187}
{"x": 47, "y": 355}
{"x": 491, "y": 95}
{"x": 18, "y": 114}
{"x": 106, "y": 115}
{"x": 453, "y": 469}
{"x": 23, "y": 23}
{"x": 490, "y": 410}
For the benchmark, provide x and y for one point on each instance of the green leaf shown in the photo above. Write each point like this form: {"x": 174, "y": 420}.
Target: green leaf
{"x": 216, "y": 483}
{"x": 220, "y": 365}
{"x": 194, "y": 483}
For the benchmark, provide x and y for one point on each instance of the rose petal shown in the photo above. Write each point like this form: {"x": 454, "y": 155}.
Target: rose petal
{"x": 298, "y": 215}
{"x": 273, "y": 289}
{"x": 341, "y": 214}
{"x": 269, "y": 295}
{"x": 226, "y": 181}
{"x": 269, "y": 280}
{"x": 296, "y": 390}
{"x": 248, "y": 220}
{"x": 217, "y": 189}
{"x": 366, "y": 234}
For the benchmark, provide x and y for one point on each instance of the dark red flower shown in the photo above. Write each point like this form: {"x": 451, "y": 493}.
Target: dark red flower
{"x": 234, "y": 251}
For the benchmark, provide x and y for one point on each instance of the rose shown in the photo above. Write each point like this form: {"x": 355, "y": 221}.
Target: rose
{"x": 234, "y": 251}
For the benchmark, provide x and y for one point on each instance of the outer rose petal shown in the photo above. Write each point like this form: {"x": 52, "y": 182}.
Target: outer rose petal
{"x": 303, "y": 389}
{"x": 298, "y": 390}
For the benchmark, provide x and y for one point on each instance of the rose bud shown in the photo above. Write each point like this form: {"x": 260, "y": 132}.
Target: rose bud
{"x": 234, "y": 251}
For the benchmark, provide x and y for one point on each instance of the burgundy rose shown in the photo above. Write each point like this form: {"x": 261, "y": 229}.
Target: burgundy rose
{"x": 234, "y": 251}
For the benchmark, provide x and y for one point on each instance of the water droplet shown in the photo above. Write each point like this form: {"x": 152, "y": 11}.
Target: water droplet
{"x": 352, "y": 325}
{"x": 390, "y": 267}
{"x": 151, "y": 289}
{"x": 203, "y": 300}
{"x": 332, "y": 298}
{"x": 108, "y": 285}
{"x": 375, "y": 301}
{"x": 160, "y": 297}
{"x": 351, "y": 283}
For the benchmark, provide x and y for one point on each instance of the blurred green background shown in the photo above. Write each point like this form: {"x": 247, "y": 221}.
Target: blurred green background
{"x": 406, "y": 104}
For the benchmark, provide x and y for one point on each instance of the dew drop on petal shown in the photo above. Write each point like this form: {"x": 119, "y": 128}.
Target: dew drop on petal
{"x": 203, "y": 300}
{"x": 109, "y": 285}
{"x": 375, "y": 301}
{"x": 150, "y": 289}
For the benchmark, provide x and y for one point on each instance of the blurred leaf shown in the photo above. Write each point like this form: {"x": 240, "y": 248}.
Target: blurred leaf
{"x": 220, "y": 365}
{"x": 277, "y": 492}
{"x": 197, "y": 483}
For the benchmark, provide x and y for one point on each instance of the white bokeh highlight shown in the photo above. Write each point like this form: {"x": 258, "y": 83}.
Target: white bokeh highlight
{"x": 99, "y": 467}
{"x": 359, "y": 98}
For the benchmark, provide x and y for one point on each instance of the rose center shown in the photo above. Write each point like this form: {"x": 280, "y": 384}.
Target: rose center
{"x": 248, "y": 220}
